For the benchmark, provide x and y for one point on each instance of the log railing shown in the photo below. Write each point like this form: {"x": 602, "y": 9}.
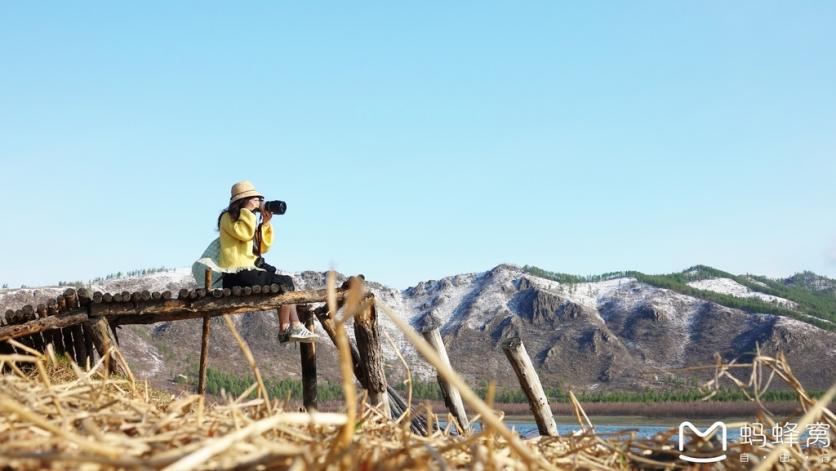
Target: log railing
{"x": 146, "y": 308}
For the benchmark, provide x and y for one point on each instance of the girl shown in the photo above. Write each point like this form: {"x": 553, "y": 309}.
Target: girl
{"x": 242, "y": 241}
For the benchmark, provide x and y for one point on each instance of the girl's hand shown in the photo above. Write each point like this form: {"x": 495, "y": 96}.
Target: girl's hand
{"x": 265, "y": 214}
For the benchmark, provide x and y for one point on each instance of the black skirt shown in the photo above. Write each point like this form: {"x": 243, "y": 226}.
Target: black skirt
{"x": 257, "y": 277}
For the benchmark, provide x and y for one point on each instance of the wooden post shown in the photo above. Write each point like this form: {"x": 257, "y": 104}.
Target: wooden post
{"x": 5, "y": 347}
{"x": 396, "y": 403}
{"x": 35, "y": 340}
{"x": 307, "y": 352}
{"x": 84, "y": 300}
{"x": 66, "y": 332}
{"x": 15, "y": 318}
{"x": 452, "y": 397}
{"x": 40, "y": 313}
{"x": 371, "y": 357}
{"x": 204, "y": 355}
{"x": 204, "y": 340}
{"x": 79, "y": 344}
{"x": 57, "y": 334}
{"x": 104, "y": 342}
{"x": 530, "y": 384}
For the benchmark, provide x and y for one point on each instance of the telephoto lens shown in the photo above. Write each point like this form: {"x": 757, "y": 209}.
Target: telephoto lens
{"x": 275, "y": 207}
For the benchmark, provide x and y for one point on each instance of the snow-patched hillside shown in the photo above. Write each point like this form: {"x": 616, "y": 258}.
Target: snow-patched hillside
{"x": 729, "y": 286}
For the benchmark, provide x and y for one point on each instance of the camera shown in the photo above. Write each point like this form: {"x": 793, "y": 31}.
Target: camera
{"x": 276, "y": 206}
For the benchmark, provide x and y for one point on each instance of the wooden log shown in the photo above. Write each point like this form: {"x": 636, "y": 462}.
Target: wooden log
{"x": 451, "y": 395}
{"x": 247, "y": 290}
{"x": 71, "y": 297}
{"x": 5, "y": 348}
{"x": 204, "y": 341}
{"x": 41, "y": 313}
{"x": 327, "y": 323}
{"x": 236, "y": 291}
{"x": 204, "y": 355}
{"x": 145, "y": 295}
{"x": 113, "y": 328}
{"x": 419, "y": 423}
{"x": 371, "y": 356}
{"x": 117, "y": 298}
{"x": 275, "y": 288}
{"x": 183, "y": 294}
{"x": 193, "y": 294}
{"x": 21, "y": 318}
{"x": 88, "y": 344}
{"x": 530, "y": 384}
{"x": 84, "y": 301}
{"x": 84, "y": 297}
{"x": 82, "y": 357}
{"x": 209, "y": 304}
{"x": 36, "y": 340}
{"x": 80, "y": 345}
{"x": 18, "y": 318}
{"x": 57, "y": 334}
{"x": 9, "y": 320}
{"x": 217, "y": 293}
{"x": 67, "y": 336}
{"x": 107, "y": 298}
{"x": 68, "y": 319}
{"x": 97, "y": 297}
{"x": 126, "y": 296}
{"x": 48, "y": 335}
{"x": 227, "y": 292}
{"x": 170, "y": 310}
{"x": 265, "y": 289}
{"x": 201, "y": 293}
{"x": 256, "y": 289}
{"x": 104, "y": 341}
{"x": 307, "y": 353}
{"x": 156, "y": 295}
{"x": 165, "y": 295}
{"x": 136, "y": 297}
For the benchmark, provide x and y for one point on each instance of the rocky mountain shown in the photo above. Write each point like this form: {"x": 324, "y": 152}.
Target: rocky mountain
{"x": 614, "y": 333}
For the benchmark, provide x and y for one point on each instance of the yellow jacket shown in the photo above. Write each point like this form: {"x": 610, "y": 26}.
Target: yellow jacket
{"x": 237, "y": 240}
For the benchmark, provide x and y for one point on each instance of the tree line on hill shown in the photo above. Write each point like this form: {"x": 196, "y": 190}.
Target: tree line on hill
{"x": 814, "y": 307}
{"x": 288, "y": 388}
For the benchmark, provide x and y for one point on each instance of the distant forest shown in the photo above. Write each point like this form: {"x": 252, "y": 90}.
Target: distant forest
{"x": 233, "y": 385}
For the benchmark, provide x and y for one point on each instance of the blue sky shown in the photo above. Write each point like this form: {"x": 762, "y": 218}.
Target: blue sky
{"x": 414, "y": 140}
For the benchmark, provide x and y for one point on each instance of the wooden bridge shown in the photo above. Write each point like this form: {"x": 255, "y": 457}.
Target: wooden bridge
{"x": 80, "y": 325}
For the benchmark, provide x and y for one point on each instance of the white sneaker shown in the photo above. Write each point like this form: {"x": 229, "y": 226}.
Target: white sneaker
{"x": 298, "y": 333}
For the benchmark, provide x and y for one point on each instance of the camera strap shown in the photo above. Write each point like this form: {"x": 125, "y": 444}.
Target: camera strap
{"x": 257, "y": 241}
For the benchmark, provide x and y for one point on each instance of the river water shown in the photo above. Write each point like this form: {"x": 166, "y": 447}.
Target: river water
{"x": 641, "y": 428}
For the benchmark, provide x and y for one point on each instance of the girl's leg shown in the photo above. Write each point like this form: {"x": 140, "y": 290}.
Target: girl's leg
{"x": 287, "y": 312}
{"x": 288, "y": 316}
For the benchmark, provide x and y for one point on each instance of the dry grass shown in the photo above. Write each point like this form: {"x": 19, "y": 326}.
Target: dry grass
{"x": 54, "y": 415}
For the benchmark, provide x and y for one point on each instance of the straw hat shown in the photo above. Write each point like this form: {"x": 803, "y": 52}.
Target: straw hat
{"x": 243, "y": 189}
